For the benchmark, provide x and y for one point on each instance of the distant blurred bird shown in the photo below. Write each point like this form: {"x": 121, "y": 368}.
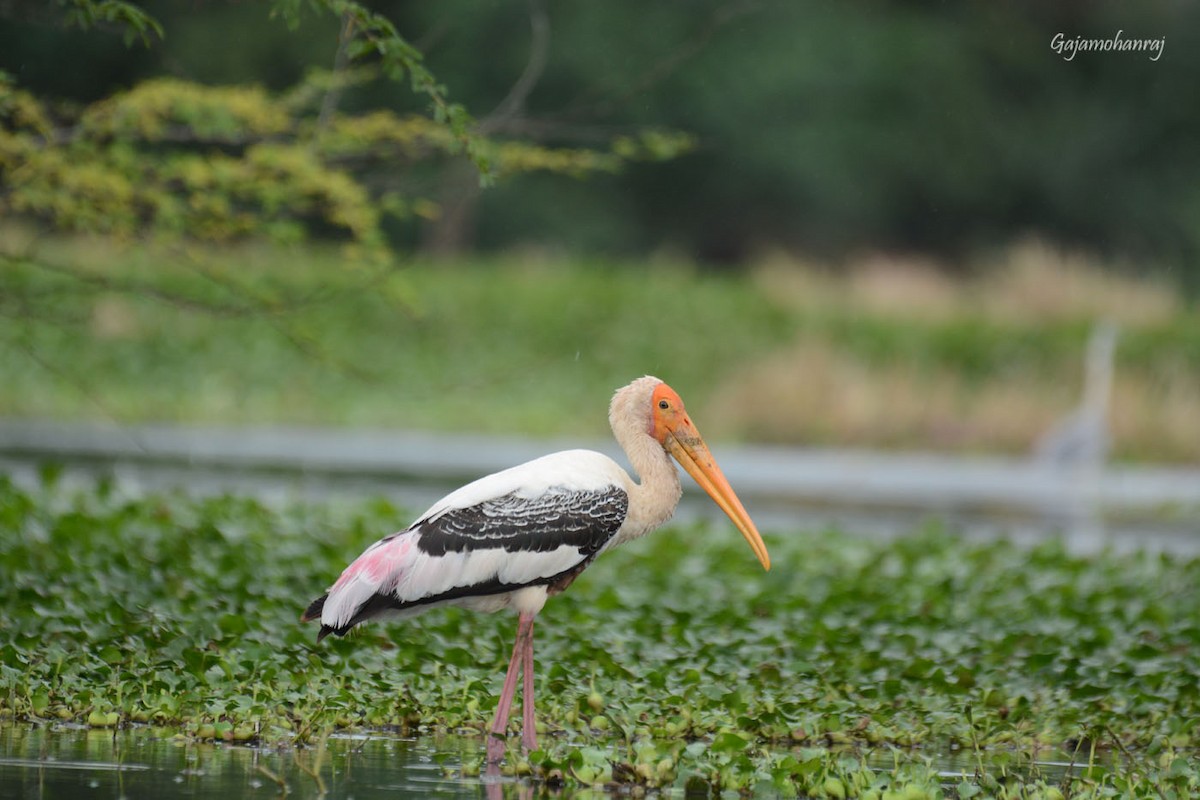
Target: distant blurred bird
{"x": 1082, "y": 438}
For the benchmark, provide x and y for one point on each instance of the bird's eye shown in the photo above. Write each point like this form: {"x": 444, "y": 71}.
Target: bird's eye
{"x": 664, "y": 405}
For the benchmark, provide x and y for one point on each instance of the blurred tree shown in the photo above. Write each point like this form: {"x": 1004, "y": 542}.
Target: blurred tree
{"x": 216, "y": 163}
{"x": 820, "y": 127}
{"x": 827, "y": 128}
{"x": 170, "y": 162}
{"x": 153, "y": 156}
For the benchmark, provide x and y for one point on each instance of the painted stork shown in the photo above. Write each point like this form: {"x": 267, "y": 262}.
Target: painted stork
{"x": 512, "y": 539}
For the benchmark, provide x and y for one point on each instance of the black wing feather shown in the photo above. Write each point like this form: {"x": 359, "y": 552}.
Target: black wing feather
{"x": 582, "y": 519}
{"x": 586, "y": 520}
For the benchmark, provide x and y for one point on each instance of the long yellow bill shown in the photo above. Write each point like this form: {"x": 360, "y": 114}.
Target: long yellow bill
{"x": 684, "y": 443}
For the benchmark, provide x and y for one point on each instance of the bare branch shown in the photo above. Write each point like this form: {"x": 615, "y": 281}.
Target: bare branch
{"x": 72, "y": 379}
{"x": 600, "y": 103}
{"x": 341, "y": 58}
{"x": 539, "y": 47}
{"x": 310, "y": 347}
{"x": 256, "y": 308}
{"x": 672, "y": 61}
{"x": 144, "y": 289}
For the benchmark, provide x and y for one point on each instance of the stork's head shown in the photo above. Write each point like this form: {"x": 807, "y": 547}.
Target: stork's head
{"x": 668, "y": 422}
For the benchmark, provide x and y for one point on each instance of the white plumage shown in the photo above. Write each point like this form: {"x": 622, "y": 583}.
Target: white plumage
{"x": 513, "y": 538}
{"x": 581, "y": 470}
{"x": 396, "y": 565}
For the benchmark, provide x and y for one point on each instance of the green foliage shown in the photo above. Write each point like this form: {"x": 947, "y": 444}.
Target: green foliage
{"x": 367, "y": 34}
{"x": 824, "y": 127}
{"x": 175, "y": 159}
{"x": 94, "y": 179}
{"x": 673, "y": 662}
{"x": 433, "y": 345}
{"x": 166, "y": 110}
{"x": 416, "y": 348}
{"x": 88, "y": 14}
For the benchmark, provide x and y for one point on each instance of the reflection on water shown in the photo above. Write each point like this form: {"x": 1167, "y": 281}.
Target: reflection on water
{"x": 41, "y": 762}
{"x": 954, "y": 764}
{"x": 72, "y": 762}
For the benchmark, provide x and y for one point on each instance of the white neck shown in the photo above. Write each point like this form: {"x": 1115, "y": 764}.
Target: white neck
{"x": 652, "y": 500}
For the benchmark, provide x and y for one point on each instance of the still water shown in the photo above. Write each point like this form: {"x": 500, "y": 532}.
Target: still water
{"x": 69, "y": 762}
{"x": 72, "y": 763}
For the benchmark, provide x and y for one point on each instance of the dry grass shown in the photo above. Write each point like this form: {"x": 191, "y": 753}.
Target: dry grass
{"x": 1027, "y": 282}
{"x": 816, "y": 394}
{"x": 113, "y": 317}
{"x": 1032, "y": 281}
{"x": 1158, "y": 419}
{"x": 818, "y": 391}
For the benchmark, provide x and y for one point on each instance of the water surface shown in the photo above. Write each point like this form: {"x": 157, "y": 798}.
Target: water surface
{"x": 71, "y": 762}
{"x": 41, "y": 762}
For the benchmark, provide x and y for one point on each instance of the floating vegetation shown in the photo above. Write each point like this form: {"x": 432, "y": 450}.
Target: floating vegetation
{"x": 923, "y": 667}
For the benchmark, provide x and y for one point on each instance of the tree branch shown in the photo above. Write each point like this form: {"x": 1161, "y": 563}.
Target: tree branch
{"x": 668, "y": 64}
{"x": 341, "y": 58}
{"x": 71, "y": 379}
{"x": 539, "y": 47}
{"x": 568, "y": 124}
{"x": 142, "y": 288}
{"x": 256, "y": 308}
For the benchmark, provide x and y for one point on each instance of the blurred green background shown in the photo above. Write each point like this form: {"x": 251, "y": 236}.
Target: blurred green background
{"x": 824, "y": 127}
{"x": 900, "y": 219}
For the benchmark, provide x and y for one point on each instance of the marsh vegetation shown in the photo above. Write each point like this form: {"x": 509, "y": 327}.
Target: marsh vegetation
{"x": 852, "y": 667}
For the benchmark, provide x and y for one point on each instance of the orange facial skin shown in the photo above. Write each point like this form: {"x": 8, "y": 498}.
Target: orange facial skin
{"x": 674, "y": 429}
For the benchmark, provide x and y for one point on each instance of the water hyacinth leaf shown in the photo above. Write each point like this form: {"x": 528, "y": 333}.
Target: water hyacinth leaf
{"x": 742, "y": 681}
{"x": 729, "y": 743}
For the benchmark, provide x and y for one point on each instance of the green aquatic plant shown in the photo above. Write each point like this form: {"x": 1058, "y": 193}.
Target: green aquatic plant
{"x": 847, "y": 670}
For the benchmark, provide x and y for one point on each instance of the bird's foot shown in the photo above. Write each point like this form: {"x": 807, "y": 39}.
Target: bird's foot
{"x": 529, "y": 740}
{"x": 495, "y": 748}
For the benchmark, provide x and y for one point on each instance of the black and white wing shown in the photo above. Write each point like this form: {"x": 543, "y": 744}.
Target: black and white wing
{"x": 538, "y": 524}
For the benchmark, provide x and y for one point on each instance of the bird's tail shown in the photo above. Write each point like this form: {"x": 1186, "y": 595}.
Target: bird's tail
{"x": 314, "y": 609}
{"x": 314, "y": 612}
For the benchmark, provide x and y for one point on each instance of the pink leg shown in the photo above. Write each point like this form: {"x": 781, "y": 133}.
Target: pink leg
{"x": 495, "y": 745}
{"x": 528, "y": 724}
